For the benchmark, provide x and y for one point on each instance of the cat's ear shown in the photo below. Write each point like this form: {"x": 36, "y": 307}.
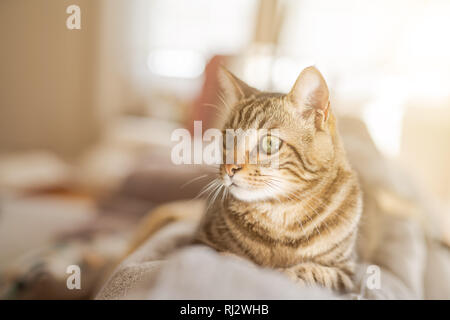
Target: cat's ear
{"x": 234, "y": 88}
{"x": 310, "y": 93}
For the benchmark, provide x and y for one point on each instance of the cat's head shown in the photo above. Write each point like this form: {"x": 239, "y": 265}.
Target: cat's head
{"x": 301, "y": 138}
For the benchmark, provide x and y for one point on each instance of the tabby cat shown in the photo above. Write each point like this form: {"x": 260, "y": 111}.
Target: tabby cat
{"x": 302, "y": 216}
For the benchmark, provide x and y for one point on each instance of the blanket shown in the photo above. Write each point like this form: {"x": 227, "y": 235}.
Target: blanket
{"x": 165, "y": 267}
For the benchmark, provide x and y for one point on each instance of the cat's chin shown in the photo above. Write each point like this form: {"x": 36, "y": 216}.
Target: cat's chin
{"x": 247, "y": 195}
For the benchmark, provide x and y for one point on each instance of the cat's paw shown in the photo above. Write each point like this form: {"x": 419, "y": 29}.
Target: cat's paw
{"x": 292, "y": 275}
{"x": 312, "y": 274}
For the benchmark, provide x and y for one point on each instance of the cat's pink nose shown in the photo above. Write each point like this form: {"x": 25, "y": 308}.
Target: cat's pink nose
{"x": 231, "y": 169}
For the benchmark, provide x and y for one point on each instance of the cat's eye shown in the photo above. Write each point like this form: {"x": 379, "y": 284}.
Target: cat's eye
{"x": 270, "y": 144}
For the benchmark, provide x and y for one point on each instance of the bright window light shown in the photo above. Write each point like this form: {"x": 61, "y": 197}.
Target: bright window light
{"x": 176, "y": 63}
{"x": 209, "y": 26}
{"x": 384, "y": 117}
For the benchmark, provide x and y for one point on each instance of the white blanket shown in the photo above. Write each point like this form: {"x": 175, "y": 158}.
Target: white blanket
{"x": 409, "y": 269}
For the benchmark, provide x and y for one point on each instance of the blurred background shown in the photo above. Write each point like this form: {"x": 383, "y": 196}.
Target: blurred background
{"x": 86, "y": 115}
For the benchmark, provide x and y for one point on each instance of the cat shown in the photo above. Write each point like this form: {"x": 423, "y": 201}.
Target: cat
{"x": 300, "y": 217}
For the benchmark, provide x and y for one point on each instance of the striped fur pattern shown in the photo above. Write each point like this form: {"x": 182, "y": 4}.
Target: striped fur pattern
{"x": 302, "y": 217}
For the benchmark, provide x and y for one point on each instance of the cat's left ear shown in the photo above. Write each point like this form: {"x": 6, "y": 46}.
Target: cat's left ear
{"x": 310, "y": 94}
{"x": 234, "y": 88}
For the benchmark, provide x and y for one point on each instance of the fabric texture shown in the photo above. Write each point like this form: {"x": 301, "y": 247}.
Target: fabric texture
{"x": 166, "y": 268}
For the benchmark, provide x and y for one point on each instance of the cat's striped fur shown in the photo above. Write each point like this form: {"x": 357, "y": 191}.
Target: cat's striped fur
{"x": 302, "y": 217}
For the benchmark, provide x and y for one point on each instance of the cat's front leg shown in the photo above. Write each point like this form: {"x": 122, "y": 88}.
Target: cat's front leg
{"x": 310, "y": 273}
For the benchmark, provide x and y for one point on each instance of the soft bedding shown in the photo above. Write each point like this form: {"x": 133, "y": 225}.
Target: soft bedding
{"x": 164, "y": 267}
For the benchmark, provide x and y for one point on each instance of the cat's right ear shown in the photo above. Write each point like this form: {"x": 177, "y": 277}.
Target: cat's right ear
{"x": 234, "y": 88}
{"x": 310, "y": 93}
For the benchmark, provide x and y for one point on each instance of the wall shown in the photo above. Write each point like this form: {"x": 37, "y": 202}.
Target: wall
{"x": 48, "y": 76}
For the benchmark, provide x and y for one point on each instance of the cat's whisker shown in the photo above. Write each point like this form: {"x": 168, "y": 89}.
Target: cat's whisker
{"x": 272, "y": 187}
{"x": 224, "y": 194}
{"x": 207, "y": 188}
{"x": 215, "y": 193}
{"x": 193, "y": 180}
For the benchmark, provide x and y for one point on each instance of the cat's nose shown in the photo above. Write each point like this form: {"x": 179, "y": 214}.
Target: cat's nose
{"x": 231, "y": 169}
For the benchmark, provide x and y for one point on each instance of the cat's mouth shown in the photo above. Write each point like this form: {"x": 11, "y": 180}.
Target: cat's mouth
{"x": 228, "y": 182}
{"x": 243, "y": 192}
{"x": 233, "y": 185}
